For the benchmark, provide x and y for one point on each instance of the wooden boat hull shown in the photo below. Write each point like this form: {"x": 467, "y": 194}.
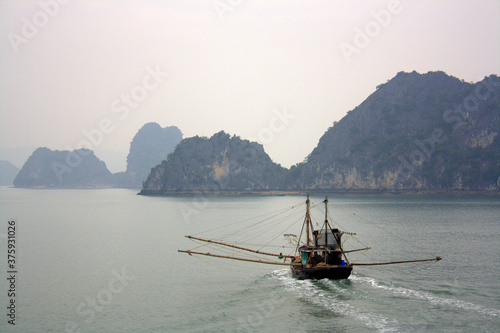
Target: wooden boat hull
{"x": 317, "y": 273}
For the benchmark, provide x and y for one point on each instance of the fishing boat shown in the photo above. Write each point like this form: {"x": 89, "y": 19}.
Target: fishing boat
{"x": 318, "y": 253}
{"x": 322, "y": 255}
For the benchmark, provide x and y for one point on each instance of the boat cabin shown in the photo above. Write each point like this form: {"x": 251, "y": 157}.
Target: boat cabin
{"x": 327, "y": 238}
{"x": 326, "y": 249}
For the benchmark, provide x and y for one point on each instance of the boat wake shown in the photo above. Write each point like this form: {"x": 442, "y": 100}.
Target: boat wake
{"x": 426, "y": 296}
{"x": 371, "y": 302}
{"x": 333, "y": 296}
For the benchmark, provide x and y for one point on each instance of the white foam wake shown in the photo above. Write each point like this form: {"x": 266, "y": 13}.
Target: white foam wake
{"x": 426, "y": 296}
{"x": 310, "y": 292}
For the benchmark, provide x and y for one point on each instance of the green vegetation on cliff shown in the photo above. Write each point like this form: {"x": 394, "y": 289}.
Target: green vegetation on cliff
{"x": 218, "y": 163}
{"x": 416, "y": 132}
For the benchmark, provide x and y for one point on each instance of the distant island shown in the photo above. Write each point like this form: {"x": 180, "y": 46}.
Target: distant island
{"x": 426, "y": 133}
{"x": 8, "y": 172}
{"x": 66, "y": 169}
{"x": 417, "y": 132}
{"x": 220, "y": 163}
{"x": 82, "y": 169}
{"x": 149, "y": 147}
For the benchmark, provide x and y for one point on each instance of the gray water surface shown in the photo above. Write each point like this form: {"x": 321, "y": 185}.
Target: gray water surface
{"x": 107, "y": 261}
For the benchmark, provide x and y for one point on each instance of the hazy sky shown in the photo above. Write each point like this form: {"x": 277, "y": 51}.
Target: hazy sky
{"x": 280, "y": 72}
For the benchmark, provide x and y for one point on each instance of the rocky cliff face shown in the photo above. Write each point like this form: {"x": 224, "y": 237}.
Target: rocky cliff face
{"x": 149, "y": 147}
{"x": 416, "y": 132}
{"x": 218, "y": 163}
{"x": 48, "y": 168}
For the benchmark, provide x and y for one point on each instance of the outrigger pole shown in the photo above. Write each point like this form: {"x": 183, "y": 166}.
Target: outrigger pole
{"x": 363, "y": 249}
{"x": 236, "y": 247}
{"x": 395, "y": 262}
{"x": 234, "y": 258}
{"x": 285, "y": 264}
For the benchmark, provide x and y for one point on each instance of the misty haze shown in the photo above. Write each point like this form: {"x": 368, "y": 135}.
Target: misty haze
{"x": 334, "y": 166}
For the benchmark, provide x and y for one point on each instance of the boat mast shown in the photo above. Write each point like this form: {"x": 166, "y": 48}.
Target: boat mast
{"x": 308, "y": 220}
{"x": 326, "y": 220}
{"x": 329, "y": 227}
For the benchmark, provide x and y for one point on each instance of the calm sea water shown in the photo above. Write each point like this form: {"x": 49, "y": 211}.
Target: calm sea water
{"x": 107, "y": 261}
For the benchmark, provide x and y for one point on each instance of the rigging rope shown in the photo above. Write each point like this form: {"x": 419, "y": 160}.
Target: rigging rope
{"x": 279, "y": 211}
{"x": 263, "y": 226}
{"x": 291, "y": 225}
{"x": 271, "y": 226}
{"x": 249, "y": 227}
{"x": 386, "y": 231}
